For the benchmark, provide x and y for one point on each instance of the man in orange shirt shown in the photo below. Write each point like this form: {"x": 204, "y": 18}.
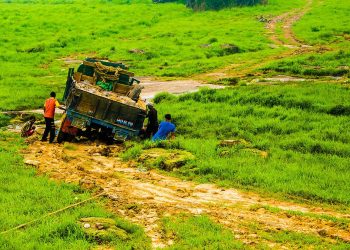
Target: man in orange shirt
{"x": 49, "y": 114}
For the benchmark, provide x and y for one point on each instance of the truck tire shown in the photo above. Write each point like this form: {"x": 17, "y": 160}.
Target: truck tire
{"x": 61, "y": 136}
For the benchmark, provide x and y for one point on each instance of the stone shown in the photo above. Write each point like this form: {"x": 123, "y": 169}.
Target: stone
{"x": 86, "y": 183}
{"x": 166, "y": 159}
{"x": 87, "y": 225}
{"x": 32, "y": 163}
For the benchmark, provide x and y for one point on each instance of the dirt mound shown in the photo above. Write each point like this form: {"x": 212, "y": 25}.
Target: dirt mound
{"x": 144, "y": 197}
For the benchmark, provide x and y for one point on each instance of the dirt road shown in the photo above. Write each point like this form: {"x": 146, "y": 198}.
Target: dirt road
{"x": 152, "y": 87}
{"x": 280, "y": 31}
{"x": 286, "y": 21}
{"x": 145, "y": 197}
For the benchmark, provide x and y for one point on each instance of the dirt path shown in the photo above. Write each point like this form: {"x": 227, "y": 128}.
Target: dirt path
{"x": 286, "y": 21}
{"x": 286, "y": 38}
{"x": 152, "y": 87}
{"x": 145, "y": 197}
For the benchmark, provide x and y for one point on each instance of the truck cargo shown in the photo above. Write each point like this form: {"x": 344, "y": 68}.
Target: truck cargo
{"x": 102, "y": 98}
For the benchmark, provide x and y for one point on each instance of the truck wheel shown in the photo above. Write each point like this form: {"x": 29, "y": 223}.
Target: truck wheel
{"x": 61, "y": 136}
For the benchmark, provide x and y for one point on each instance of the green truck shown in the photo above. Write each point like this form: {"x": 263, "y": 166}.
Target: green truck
{"x": 102, "y": 98}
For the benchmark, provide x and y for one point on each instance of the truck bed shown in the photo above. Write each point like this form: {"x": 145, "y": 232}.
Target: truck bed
{"x": 96, "y": 90}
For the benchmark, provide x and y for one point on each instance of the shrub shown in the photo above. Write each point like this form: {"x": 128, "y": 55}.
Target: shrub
{"x": 163, "y": 96}
{"x": 219, "y": 4}
{"x": 339, "y": 110}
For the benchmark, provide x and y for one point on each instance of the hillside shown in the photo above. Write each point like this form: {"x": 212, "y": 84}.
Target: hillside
{"x": 261, "y": 155}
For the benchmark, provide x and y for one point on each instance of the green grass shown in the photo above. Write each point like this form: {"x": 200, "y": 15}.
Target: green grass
{"x": 335, "y": 63}
{"x": 25, "y": 197}
{"x": 176, "y": 41}
{"x": 196, "y": 232}
{"x": 326, "y": 24}
{"x": 302, "y": 127}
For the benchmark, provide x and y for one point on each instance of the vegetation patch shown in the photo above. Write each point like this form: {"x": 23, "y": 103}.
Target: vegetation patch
{"x": 327, "y": 64}
{"x": 169, "y": 160}
{"x": 102, "y": 229}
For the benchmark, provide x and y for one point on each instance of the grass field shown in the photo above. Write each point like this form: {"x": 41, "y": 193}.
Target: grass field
{"x": 170, "y": 40}
{"x": 302, "y": 127}
{"x": 326, "y": 25}
{"x": 293, "y": 138}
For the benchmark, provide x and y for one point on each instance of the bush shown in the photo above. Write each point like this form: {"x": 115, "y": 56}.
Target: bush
{"x": 163, "y": 96}
{"x": 339, "y": 110}
{"x": 4, "y": 120}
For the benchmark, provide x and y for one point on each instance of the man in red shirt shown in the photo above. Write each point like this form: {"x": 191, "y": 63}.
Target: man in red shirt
{"x": 49, "y": 114}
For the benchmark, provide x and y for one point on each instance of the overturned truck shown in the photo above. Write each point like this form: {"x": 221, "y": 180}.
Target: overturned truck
{"x": 102, "y": 98}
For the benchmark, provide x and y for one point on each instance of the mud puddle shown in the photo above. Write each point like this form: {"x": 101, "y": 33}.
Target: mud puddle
{"x": 145, "y": 197}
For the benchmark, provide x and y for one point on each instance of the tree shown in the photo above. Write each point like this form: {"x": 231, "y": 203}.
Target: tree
{"x": 219, "y": 4}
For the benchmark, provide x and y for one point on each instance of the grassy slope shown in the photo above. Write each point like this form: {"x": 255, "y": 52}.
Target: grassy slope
{"x": 25, "y": 197}
{"x": 327, "y": 24}
{"x": 308, "y": 146}
{"x": 35, "y": 36}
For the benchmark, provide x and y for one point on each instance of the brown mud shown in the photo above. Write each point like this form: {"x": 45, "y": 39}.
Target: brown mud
{"x": 145, "y": 197}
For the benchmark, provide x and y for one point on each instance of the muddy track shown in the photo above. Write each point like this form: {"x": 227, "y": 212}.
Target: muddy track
{"x": 145, "y": 197}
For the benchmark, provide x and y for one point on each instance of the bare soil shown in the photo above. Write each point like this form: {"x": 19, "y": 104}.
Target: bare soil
{"x": 145, "y": 197}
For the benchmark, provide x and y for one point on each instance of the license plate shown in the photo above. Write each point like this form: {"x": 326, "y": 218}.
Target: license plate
{"x": 79, "y": 123}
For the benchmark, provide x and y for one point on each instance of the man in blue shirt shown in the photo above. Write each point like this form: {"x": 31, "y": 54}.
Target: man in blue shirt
{"x": 165, "y": 128}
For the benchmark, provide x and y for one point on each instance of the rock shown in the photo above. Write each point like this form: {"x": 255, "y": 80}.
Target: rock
{"x": 231, "y": 143}
{"x": 87, "y": 225}
{"x": 32, "y": 163}
{"x": 86, "y": 183}
{"x": 137, "y": 51}
{"x": 230, "y": 49}
{"x": 322, "y": 232}
{"x": 99, "y": 226}
{"x": 205, "y": 45}
{"x": 113, "y": 197}
{"x": 165, "y": 159}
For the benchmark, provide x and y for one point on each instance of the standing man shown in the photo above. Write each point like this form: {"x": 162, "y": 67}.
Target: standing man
{"x": 152, "y": 125}
{"x": 166, "y": 128}
{"x": 49, "y": 114}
